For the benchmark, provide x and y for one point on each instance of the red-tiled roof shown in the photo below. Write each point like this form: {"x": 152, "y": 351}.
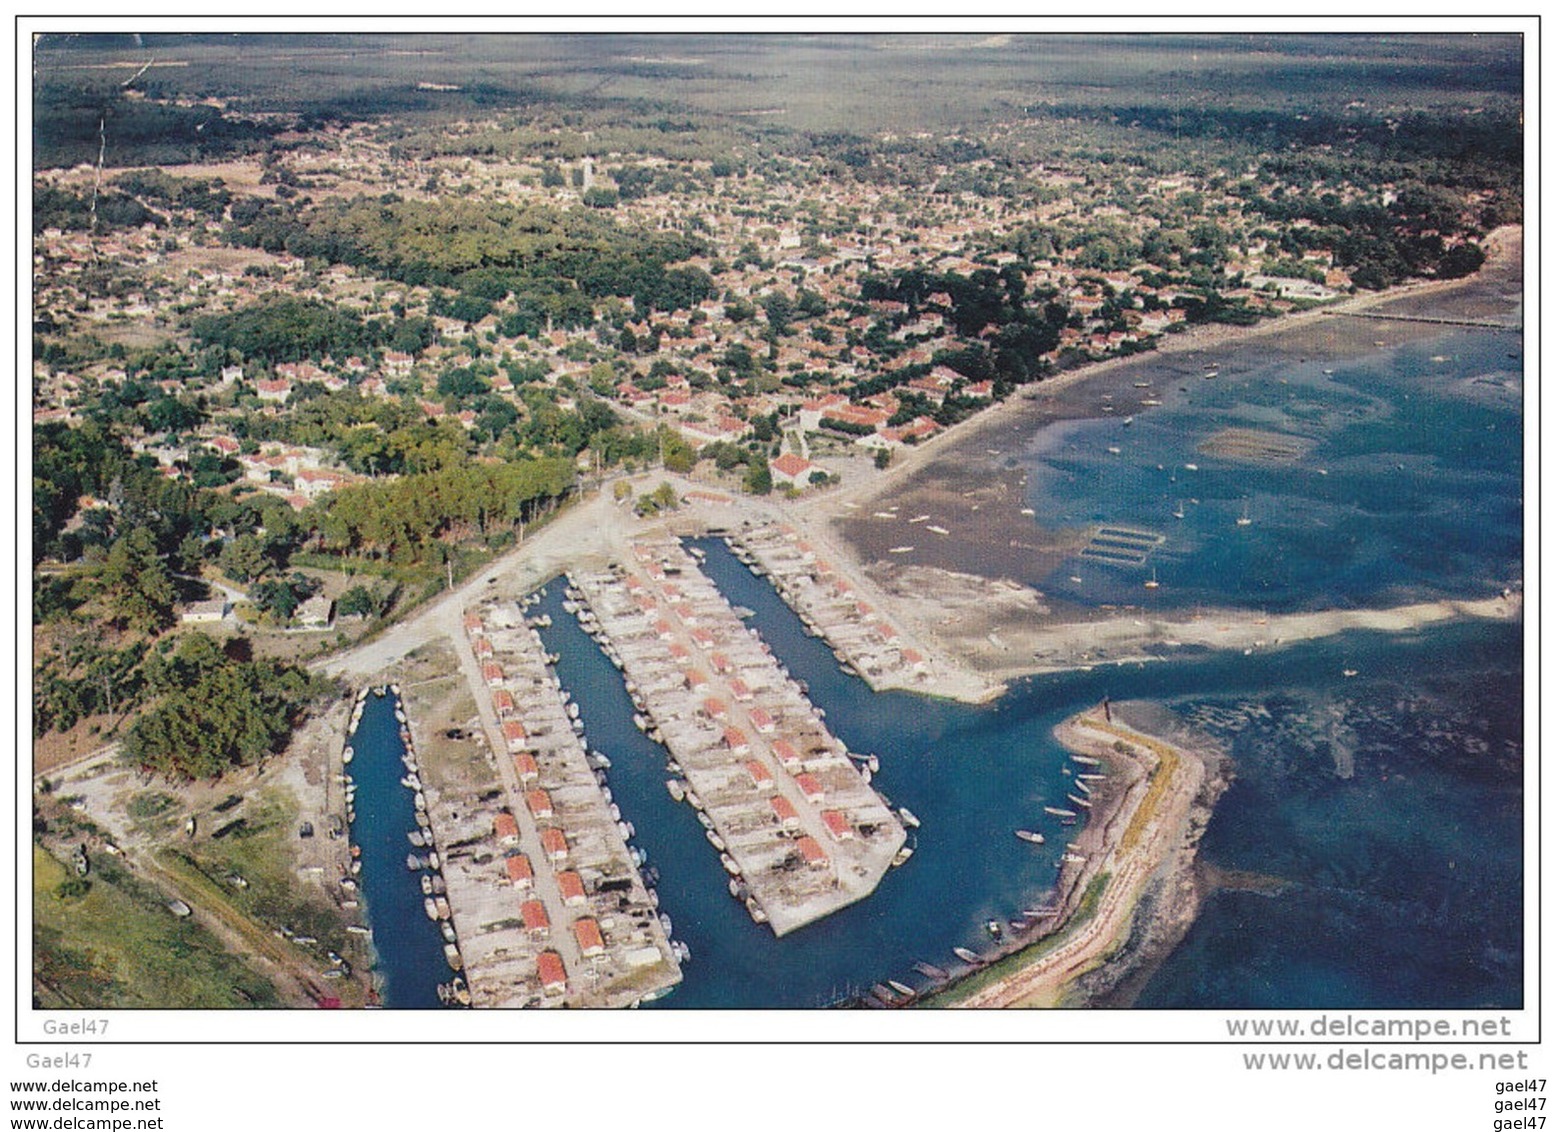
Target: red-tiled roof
{"x": 760, "y": 775}
{"x": 784, "y": 808}
{"x": 505, "y": 825}
{"x": 587, "y": 933}
{"x": 539, "y": 803}
{"x": 837, "y": 825}
{"x": 570, "y": 885}
{"x": 552, "y": 971}
{"x": 812, "y": 851}
{"x": 808, "y": 785}
{"x": 519, "y": 869}
{"x": 533, "y": 913}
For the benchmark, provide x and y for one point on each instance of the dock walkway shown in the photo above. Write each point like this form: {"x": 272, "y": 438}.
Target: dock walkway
{"x": 795, "y": 823}
{"x": 549, "y": 905}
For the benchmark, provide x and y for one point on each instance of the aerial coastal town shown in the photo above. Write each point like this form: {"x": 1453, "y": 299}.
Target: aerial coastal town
{"x": 365, "y": 416}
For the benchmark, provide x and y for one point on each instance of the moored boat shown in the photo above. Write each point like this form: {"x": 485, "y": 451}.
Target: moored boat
{"x": 1028, "y": 835}
{"x": 1058, "y": 813}
{"x": 967, "y": 956}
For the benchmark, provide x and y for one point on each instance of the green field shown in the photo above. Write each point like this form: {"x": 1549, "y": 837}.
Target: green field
{"x": 120, "y": 946}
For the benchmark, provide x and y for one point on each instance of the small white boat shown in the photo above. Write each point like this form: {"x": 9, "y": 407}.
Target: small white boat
{"x": 908, "y": 817}
{"x": 1028, "y": 835}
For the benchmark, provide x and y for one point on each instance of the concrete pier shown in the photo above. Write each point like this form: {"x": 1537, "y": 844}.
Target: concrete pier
{"x": 549, "y": 905}
{"x": 865, "y": 641}
{"x": 795, "y": 823}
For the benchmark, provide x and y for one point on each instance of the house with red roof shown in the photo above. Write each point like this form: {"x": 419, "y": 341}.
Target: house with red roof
{"x": 571, "y": 886}
{"x": 837, "y": 825}
{"x": 792, "y": 470}
{"x": 783, "y": 809}
{"x": 590, "y": 941}
{"x": 520, "y": 873}
{"x": 761, "y": 777}
{"x": 525, "y": 767}
{"x": 553, "y": 975}
{"x": 505, "y": 827}
{"x": 554, "y": 842}
{"x": 787, "y": 755}
{"x": 815, "y": 856}
{"x": 539, "y": 803}
{"x": 810, "y": 787}
{"x": 536, "y": 922}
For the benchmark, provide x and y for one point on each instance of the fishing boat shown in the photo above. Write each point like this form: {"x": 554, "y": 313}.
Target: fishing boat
{"x": 1080, "y": 784}
{"x": 1081, "y": 802}
{"x": 430, "y": 908}
{"x": 415, "y": 863}
{"x": 930, "y": 971}
{"x": 451, "y": 957}
{"x": 1086, "y": 760}
{"x": 1028, "y": 835}
{"x": 757, "y": 915}
{"x": 902, "y": 855}
{"x": 1058, "y": 813}
{"x": 715, "y": 840}
{"x": 884, "y": 996}
{"x": 937, "y": 530}
{"x": 902, "y": 988}
{"x": 426, "y": 884}
{"x": 676, "y": 788}
{"x": 444, "y": 911}
{"x": 347, "y": 755}
{"x": 908, "y": 817}
{"x": 1191, "y": 467}
{"x": 994, "y": 928}
{"x": 967, "y": 956}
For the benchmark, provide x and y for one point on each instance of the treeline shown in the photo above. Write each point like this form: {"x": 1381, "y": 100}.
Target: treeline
{"x": 71, "y": 120}
{"x": 72, "y": 212}
{"x": 404, "y": 520}
{"x": 284, "y": 328}
{"x": 1025, "y": 325}
{"x": 216, "y": 713}
{"x": 552, "y": 264}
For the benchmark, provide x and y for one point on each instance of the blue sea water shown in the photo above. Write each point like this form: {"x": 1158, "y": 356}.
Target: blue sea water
{"x": 408, "y": 946}
{"x": 1375, "y": 511}
{"x": 1370, "y": 846}
{"x": 975, "y": 774}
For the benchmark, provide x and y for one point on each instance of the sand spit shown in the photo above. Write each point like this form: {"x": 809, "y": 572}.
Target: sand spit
{"x": 1140, "y": 840}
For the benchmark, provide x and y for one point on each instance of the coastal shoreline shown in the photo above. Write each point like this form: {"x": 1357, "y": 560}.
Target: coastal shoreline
{"x": 1135, "y": 895}
{"x": 997, "y": 630}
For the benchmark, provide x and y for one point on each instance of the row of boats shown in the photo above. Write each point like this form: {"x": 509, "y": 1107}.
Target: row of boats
{"x": 423, "y": 858}
{"x": 576, "y": 605}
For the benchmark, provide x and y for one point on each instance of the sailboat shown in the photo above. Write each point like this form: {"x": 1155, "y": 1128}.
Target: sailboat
{"x": 1243, "y": 520}
{"x": 1153, "y": 583}
{"x": 1178, "y": 514}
